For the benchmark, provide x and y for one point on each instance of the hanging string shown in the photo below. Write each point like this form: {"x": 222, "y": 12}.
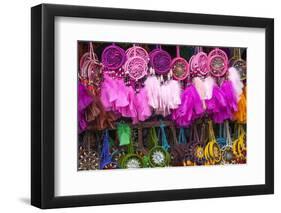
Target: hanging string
{"x": 164, "y": 140}
{"x": 178, "y": 50}
{"x": 228, "y": 137}
{"x": 182, "y": 138}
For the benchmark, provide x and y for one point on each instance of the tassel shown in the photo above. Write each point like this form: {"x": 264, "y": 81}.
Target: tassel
{"x": 105, "y": 155}
{"x": 241, "y": 115}
{"x": 124, "y": 134}
{"x": 84, "y": 100}
{"x": 164, "y": 140}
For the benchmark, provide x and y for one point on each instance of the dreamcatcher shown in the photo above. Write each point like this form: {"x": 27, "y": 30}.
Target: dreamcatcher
{"x": 88, "y": 158}
{"x": 137, "y": 62}
{"x": 113, "y": 57}
{"x": 158, "y": 156}
{"x": 212, "y": 151}
{"x": 179, "y": 67}
{"x": 90, "y": 68}
{"x": 160, "y": 61}
{"x": 218, "y": 62}
{"x": 238, "y": 63}
{"x": 199, "y": 63}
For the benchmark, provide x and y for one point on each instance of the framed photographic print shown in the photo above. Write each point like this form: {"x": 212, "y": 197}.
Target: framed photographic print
{"x": 140, "y": 106}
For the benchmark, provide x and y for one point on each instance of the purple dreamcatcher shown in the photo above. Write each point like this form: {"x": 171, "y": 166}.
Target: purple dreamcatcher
{"x": 113, "y": 57}
{"x": 160, "y": 61}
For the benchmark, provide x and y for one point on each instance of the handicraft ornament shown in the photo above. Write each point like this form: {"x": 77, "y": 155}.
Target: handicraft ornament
{"x": 218, "y": 62}
{"x": 179, "y": 67}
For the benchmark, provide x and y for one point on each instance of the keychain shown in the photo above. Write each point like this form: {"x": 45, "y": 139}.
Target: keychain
{"x": 227, "y": 152}
{"x": 212, "y": 150}
{"x": 177, "y": 150}
{"x": 88, "y": 157}
{"x": 131, "y": 160}
{"x": 158, "y": 155}
{"x": 198, "y": 147}
{"x": 239, "y": 145}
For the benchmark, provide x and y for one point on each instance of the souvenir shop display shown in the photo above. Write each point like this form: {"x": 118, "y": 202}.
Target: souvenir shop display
{"x": 185, "y": 104}
{"x": 137, "y": 106}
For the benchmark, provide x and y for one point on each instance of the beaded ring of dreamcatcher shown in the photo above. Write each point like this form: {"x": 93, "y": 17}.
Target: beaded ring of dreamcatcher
{"x": 90, "y": 67}
{"x": 199, "y": 63}
{"x": 136, "y": 65}
{"x": 237, "y": 62}
{"x": 160, "y": 60}
{"x": 217, "y": 62}
{"x": 179, "y": 67}
{"x": 113, "y": 57}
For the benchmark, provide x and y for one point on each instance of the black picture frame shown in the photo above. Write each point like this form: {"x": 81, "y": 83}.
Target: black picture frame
{"x": 43, "y": 102}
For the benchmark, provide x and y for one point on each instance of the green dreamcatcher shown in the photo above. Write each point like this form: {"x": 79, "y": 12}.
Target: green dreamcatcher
{"x": 158, "y": 156}
{"x": 131, "y": 160}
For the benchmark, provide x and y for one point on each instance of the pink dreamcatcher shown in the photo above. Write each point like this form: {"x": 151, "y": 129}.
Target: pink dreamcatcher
{"x": 90, "y": 67}
{"x": 199, "y": 63}
{"x": 179, "y": 66}
{"x": 137, "y": 51}
{"x": 160, "y": 61}
{"x": 136, "y": 65}
{"x": 218, "y": 62}
{"x": 113, "y": 57}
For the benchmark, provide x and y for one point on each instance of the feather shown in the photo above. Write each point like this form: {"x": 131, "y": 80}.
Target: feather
{"x": 209, "y": 85}
{"x": 234, "y": 77}
{"x": 152, "y": 86}
{"x": 191, "y": 107}
{"x": 200, "y": 87}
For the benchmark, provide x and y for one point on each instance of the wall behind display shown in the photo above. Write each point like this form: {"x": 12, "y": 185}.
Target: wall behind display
{"x": 15, "y": 105}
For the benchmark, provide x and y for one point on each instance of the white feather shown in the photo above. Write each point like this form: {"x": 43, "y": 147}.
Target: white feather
{"x": 200, "y": 87}
{"x": 234, "y": 77}
{"x": 209, "y": 83}
{"x": 152, "y": 86}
